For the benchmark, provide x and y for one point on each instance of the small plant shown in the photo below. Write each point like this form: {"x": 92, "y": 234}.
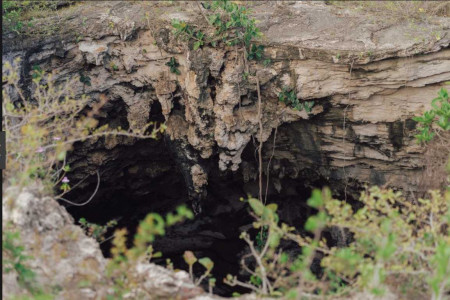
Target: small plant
{"x": 37, "y": 72}
{"x": 187, "y": 32}
{"x": 114, "y": 66}
{"x": 96, "y": 231}
{"x": 439, "y": 115}
{"x": 199, "y": 39}
{"x": 267, "y": 62}
{"x": 12, "y": 16}
{"x": 16, "y": 14}
{"x": 206, "y": 262}
{"x": 231, "y": 25}
{"x": 308, "y": 105}
{"x": 290, "y": 98}
{"x": 211, "y": 284}
{"x": 124, "y": 258}
{"x": 287, "y": 97}
{"x": 86, "y": 80}
{"x": 182, "y": 29}
{"x": 65, "y": 187}
{"x": 173, "y": 65}
{"x": 255, "y": 52}
{"x": 169, "y": 264}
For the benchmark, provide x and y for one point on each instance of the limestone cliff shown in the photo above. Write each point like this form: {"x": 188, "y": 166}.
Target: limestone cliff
{"x": 368, "y": 78}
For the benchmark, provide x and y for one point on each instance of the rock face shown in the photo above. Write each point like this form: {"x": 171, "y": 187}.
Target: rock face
{"x": 57, "y": 246}
{"x": 63, "y": 256}
{"x": 367, "y": 79}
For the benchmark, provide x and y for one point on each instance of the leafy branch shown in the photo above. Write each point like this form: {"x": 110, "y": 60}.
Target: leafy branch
{"x": 290, "y": 98}
{"x": 439, "y": 115}
{"x": 230, "y": 24}
{"x": 173, "y": 65}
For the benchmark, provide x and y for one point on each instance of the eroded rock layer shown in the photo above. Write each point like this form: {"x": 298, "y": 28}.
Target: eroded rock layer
{"x": 367, "y": 80}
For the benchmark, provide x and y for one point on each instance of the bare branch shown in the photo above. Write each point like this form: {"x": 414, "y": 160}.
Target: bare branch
{"x": 89, "y": 200}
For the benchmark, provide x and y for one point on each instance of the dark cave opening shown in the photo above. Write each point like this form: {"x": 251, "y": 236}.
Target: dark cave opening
{"x": 146, "y": 176}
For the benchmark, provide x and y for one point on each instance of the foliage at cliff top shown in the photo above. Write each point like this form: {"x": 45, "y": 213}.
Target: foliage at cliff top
{"x": 230, "y": 25}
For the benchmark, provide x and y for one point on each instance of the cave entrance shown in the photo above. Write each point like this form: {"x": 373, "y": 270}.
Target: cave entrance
{"x": 140, "y": 177}
{"x": 144, "y": 177}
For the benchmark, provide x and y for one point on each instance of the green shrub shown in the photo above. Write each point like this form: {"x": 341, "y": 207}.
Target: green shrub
{"x": 289, "y": 98}
{"x": 96, "y": 231}
{"x": 16, "y": 14}
{"x": 125, "y": 259}
{"x": 230, "y": 25}
{"x": 206, "y": 262}
{"x": 438, "y": 118}
{"x": 389, "y": 237}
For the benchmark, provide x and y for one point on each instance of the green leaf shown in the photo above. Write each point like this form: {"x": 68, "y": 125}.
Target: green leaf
{"x": 418, "y": 119}
{"x": 272, "y": 206}
{"x": 284, "y": 258}
{"x": 157, "y": 254}
{"x": 308, "y": 105}
{"x": 315, "y": 222}
{"x": 189, "y": 257}
{"x": 61, "y": 155}
{"x": 311, "y": 224}
{"x": 197, "y": 45}
{"x": 316, "y": 200}
{"x": 257, "y": 206}
{"x": 207, "y": 263}
{"x": 274, "y": 239}
{"x": 255, "y": 280}
{"x": 212, "y": 282}
{"x": 443, "y": 94}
